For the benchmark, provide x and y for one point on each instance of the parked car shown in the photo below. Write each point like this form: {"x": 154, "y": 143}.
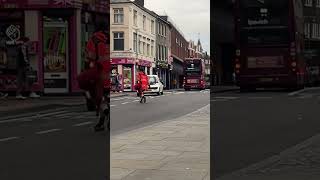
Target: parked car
{"x": 155, "y": 85}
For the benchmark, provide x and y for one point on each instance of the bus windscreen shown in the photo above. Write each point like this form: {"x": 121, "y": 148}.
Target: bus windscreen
{"x": 264, "y": 22}
{"x": 192, "y": 67}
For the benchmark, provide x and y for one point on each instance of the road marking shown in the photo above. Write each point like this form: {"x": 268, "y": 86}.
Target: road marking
{"x": 225, "y": 97}
{"x": 179, "y": 93}
{"x": 83, "y": 124}
{"x": 8, "y": 139}
{"x": 303, "y": 90}
{"x": 257, "y": 97}
{"x": 136, "y": 100}
{"x": 48, "y": 131}
{"x": 151, "y": 97}
{"x": 305, "y": 96}
{"x": 125, "y": 103}
{"x": 219, "y": 100}
{"x": 112, "y": 105}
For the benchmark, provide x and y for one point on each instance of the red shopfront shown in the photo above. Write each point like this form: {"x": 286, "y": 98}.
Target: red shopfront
{"x": 127, "y": 68}
{"x": 11, "y": 29}
{"x": 54, "y": 26}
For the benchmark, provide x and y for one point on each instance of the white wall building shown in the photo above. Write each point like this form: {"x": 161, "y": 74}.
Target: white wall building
{"x": 132, "y": 43}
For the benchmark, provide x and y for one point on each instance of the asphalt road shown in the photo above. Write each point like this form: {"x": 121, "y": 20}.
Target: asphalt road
{"x": 127, "y": 113}
{"x": 250, "y": 127}
{"x": 61, "y": 144}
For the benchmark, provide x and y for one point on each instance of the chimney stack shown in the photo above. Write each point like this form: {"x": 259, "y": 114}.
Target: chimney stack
{"x": 140, "y": 2}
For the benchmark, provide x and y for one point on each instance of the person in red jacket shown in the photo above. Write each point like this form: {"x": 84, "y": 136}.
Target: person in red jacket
{"x": 142, "y": 82}
{"x": 95, "y": 77}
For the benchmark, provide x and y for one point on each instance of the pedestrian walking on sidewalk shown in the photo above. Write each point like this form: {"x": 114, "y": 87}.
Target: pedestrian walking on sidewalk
{"x": 96, "y": 73}
{"x": 23, "y": 67}
{"x": 118, "y": 83}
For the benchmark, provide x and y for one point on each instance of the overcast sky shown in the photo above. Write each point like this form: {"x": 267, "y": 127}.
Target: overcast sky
{"x": 191, "y": 16}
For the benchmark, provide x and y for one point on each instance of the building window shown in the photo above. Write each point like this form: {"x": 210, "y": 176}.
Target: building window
{"x": 166, "y": 53}
{"x": 316, "y": 31}
{"x": 118, "y": 15}
{"x": 159, "y": 52}
{"x": 118, "y": 40}
{"x": 307, "y": 30}
{"x": 308, "y": 3}
{"x": 158, "y": 28}
{"x": 152, "y": 26}
{"x": 177, "y": 40}
{"x": 140, "y": 45}
{"x": 152, "y": 48}
{"x": 144, "y": 48}
{"x": 165, "y": 31}
{"x": 148, "y": 49}
{"x": 135, "y": 17}
{"x": 162, "y": 29}
{"x": 135, "y": 37}
{"x": 144, "y": 22}
{"x": 318, "y": 4}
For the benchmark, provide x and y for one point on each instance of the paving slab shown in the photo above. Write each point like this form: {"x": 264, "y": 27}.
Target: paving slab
{"x": 164, "y": 175}
{"x": 177, "y": 149}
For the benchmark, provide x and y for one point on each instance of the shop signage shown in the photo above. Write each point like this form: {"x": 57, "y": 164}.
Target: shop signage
{"x": 13, "y": 32}
{"x": 40, "y": 3}
{"x": 144, "y": 63}
{"x": 63, "y": 2}
{"x": 122, "y": 61}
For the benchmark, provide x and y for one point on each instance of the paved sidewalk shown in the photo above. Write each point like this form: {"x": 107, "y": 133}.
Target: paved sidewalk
{"x": 177, "y": 149}
{"x": 301, "y": 162}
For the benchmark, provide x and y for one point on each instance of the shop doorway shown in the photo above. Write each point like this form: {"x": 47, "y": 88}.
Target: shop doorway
{"x": 127, "y": 78}
{"x": 55, "y": 56}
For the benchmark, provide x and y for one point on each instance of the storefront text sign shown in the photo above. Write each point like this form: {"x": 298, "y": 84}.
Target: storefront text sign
{"x": 63, "y": 2}
{"x": 122, "y": 61}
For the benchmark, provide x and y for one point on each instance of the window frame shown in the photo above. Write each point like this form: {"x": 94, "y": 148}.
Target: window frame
{"x": 144, "y": 23}
{"x": 135, "y": 17}
{"x": 118, "y": 38}
{"x": 118, "y": 16}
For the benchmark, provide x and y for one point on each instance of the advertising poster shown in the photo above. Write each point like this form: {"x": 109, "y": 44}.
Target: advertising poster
{"x": 54, "y": 49}
{"x": 127, "y": 78}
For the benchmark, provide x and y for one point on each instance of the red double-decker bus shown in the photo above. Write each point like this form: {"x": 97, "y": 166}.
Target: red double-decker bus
{"x": 194, "y": 74}
{"x": 269, "y": 44}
